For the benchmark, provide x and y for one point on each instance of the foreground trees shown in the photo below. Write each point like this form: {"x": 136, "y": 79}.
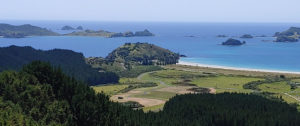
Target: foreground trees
{"x": 42, "y": 95}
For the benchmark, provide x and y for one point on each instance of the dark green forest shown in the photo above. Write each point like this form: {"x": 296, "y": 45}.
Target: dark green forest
{"x": 40, "y": 94}
{"x": 142, "y": 54}
{"x": 133, "y": 59}
{"x": 72, "y": 63}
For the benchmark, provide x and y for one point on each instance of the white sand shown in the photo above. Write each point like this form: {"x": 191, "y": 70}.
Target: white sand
{"x": 234, "y": 68}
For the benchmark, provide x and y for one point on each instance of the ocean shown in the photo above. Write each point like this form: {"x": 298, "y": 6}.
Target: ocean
{"x": 203, "y": 48}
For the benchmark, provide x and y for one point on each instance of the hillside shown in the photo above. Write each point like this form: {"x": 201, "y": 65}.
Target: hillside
{"x": 72, "y": 63}
{"x": 42, "y": 95}
{"x": 291, "y": 31}
{"x": 233, "y": 42}
{"x": 133, "y": 59}
{"x": 11, "y": 31}
{"x": 143, "y": 54}
{"x": 67, "y": 27}
{"x": 290, "y": 35}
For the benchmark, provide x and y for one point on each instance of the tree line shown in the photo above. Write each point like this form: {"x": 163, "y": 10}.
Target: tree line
{"x": 40, "y": 94}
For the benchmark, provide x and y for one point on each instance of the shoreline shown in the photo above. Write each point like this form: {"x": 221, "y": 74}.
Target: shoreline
{"x": 234, "y": 68}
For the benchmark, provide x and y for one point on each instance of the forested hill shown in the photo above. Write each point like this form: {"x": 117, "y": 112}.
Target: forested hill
{"x": 143, "y": 54}
{"x": 290, "y": 35}
{"x": 42, "y": 95}
{"x": 11, "y": 31}
{"x": 72, "y": 63}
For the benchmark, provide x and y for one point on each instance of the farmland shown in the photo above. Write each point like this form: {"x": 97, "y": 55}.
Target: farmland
{"x": 176, "y": 79}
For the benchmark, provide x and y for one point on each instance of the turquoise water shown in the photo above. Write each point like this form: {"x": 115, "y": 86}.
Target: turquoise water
{"x": 204, "y": 48}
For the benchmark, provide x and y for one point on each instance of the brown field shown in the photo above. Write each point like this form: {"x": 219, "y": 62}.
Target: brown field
{"x": 153, "y": 97}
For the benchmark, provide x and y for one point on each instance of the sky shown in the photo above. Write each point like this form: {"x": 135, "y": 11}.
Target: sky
{"x": 153, "y": 10}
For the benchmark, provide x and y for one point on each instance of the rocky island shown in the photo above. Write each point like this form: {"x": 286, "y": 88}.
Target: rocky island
{"x": 233, "y": 42}
{"x": 247, "y": 36}
{"x": 108, "y": 34}
{"x": 290, "y": 35}
{"x": 190, "y": 36}
{"x": 130, "y": 59}
{"x": 67, "y": 27}
{"x": 286, "y": 39}
{"x": 143, "y": 33}
{"x": 143, "y": 54}
{"x": 221, "y": 36}
{"x": 91, "y": 33}
{"x": 11, "y": 31}
{"x": 79, "y": 28}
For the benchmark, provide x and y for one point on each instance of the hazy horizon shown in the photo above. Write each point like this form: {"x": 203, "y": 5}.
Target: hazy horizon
{"x": 229, "y": 11}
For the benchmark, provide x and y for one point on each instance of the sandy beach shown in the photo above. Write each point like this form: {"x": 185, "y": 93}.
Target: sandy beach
{"x": 235, "y": 68}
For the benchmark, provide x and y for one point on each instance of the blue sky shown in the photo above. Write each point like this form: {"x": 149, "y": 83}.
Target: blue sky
{"x": 153, "y": 10}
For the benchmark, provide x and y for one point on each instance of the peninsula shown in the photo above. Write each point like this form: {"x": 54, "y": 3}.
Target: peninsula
{"x": 12, "y": 31}
{"x": 103, "y": 33}
{"x": 290, "y": 35}
{"x": 132, "y": 58}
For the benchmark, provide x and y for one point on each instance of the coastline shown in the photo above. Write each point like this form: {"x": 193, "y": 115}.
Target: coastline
{"x": 235, "y": 68}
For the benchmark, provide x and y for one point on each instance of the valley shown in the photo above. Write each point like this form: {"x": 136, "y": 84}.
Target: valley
{"x": 179, "y": 79}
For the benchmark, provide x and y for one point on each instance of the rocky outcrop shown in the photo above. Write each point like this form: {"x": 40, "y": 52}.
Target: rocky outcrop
{"x": 286, "y": 39}
{"x": 67, "y": 28}
{"x": 247, "y": 36}
{"x": 79, "y": 28}
{"x": 143, "y": 33}
{"x": 290, "y": 35}
{"x": 233, "y": 42}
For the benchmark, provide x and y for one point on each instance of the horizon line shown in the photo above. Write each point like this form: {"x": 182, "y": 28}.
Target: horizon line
{"x": 154, "y": 21}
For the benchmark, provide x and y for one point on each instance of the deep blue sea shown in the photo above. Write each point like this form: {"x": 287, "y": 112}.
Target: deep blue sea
{"x": 204, "y": 48}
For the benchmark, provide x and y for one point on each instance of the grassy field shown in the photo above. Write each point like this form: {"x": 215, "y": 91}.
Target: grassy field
{"x": 170, "y": 76}
{"x": 277, "y": 87}
{"x": 225, "y": 83}
{"x": 282, "y": 89}
{"x": 155, "y": 108}
{"x": 156, "y": 95}
{"x": 179, "y": 79}
{"x": 109, "y": 89}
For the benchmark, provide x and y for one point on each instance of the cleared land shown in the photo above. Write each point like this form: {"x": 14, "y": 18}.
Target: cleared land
{"x": 225, "y": 83}
{"x": 109, "y": 89}
{"x": 180, "y": 79}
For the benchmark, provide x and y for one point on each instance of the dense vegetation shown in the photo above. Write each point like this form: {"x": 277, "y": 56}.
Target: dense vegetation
{"x": 11, "y": 31}
{"x": 286, "y": 39}
{"x": 133, "y": 59}
{"x": 233, "y": 42}
{"x": 72, "y": 63}
{"x": 228, "y": 110}
{"x": 254, "y": 84}
{"x": 290, "y": 35}
{"x": 42, "y": 95}
{"x": 143, "y": 54}
{"x": 291, "y": 31}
